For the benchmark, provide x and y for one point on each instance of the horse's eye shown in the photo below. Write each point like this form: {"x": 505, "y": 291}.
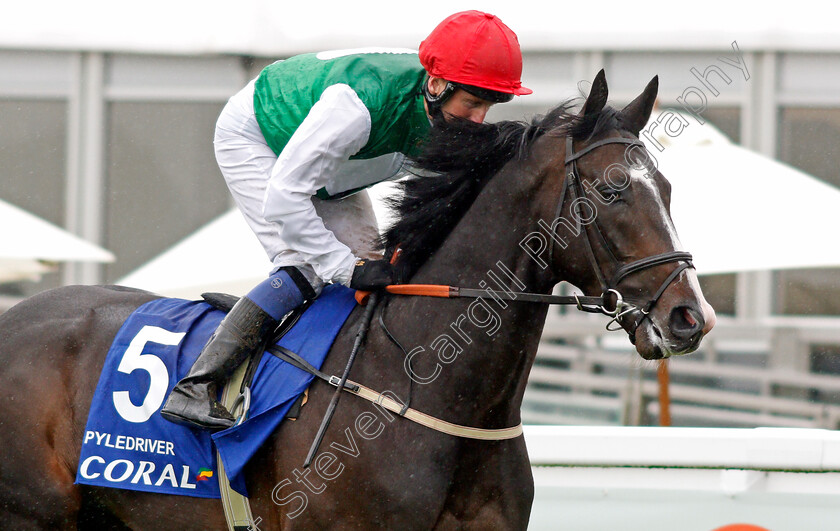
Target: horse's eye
{"x": 609, "y": 194}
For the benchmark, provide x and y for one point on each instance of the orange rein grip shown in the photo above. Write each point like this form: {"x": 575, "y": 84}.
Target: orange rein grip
{"x": 424, "y": 290}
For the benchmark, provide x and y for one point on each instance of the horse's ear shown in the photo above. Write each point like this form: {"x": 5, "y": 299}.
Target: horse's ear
{"x": 635, "y": 116}
{"x": 597, "y": 98}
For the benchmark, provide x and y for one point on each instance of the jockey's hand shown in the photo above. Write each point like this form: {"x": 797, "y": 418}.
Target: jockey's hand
{"x": 371, "y": 275}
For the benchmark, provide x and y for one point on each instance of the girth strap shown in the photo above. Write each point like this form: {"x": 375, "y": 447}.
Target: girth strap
{"x": 397, "y": 407}
{"x": 436, "y": 424}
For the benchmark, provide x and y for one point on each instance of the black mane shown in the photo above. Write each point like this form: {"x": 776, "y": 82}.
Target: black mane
{"x": 455, "y": 163}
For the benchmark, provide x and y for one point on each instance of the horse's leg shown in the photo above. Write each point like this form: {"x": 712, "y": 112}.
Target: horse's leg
{"x": 36, "y": 419}
{"x": 52, "y": 348}
{"x": 36, "y": 485}
{"x": 493, "y": 488}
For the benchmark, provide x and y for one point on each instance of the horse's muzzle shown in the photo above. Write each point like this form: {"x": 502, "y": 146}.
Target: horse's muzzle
{"x": 681, "y": 333}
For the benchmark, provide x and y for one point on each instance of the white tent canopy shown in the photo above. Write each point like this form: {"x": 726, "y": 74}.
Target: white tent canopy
{"x": 29, "y": 245}
{"x": 736, "y": 210}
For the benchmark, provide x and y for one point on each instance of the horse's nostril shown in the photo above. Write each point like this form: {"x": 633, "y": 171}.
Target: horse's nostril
{"x": 686, "y": 322}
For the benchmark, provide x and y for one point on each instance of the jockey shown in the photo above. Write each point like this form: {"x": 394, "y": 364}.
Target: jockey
{"x": 298, "y": 146}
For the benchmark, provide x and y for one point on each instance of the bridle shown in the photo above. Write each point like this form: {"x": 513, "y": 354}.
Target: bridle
{"x": 573, "y": 186}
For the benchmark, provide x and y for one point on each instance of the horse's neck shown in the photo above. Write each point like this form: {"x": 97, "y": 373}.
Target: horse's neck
{"x": 499, "y": 339}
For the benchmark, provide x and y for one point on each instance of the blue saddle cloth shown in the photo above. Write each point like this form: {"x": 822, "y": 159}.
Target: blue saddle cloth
{"x": 128, "y": 445}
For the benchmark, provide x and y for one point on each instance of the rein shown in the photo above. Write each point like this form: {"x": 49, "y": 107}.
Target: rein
{"x": 583, "y": 302}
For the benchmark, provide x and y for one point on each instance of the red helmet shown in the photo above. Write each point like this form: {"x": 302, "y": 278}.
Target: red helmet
{"x": 477, "y": 49}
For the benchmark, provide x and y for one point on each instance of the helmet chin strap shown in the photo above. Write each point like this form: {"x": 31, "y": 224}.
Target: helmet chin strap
{"x": 436, "y": 101}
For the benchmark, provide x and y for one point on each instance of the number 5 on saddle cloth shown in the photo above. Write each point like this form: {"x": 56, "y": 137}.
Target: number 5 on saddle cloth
{"x": 128, "y": 445}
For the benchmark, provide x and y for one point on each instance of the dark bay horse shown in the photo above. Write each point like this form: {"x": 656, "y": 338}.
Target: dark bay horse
{"x": 478, "y": 221}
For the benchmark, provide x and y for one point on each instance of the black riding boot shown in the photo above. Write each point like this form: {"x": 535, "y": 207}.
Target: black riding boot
{"x": 193, "y": 400}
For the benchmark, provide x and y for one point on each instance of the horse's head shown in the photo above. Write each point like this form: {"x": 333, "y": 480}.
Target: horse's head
{"x": 620, "y": 239}
{"x": 601, "y": 207}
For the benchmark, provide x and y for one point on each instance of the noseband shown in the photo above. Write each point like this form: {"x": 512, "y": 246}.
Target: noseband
{"x": 573, "y": 186}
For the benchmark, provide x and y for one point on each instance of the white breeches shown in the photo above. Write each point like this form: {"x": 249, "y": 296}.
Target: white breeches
{"x": 246, "y": 162}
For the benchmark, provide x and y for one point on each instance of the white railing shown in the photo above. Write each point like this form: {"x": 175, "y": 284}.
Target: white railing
{"x": 746, "y": 374}
{"x": 697, "y": 479}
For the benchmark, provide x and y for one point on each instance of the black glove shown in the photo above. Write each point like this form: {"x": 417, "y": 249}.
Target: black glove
{"x": 371, "y": 275}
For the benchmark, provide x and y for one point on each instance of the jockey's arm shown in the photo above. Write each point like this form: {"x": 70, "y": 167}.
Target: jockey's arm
{"x": 337, "y": 127}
